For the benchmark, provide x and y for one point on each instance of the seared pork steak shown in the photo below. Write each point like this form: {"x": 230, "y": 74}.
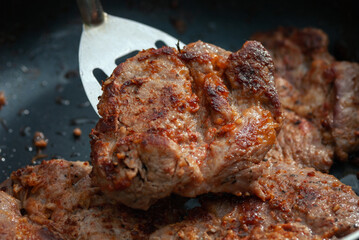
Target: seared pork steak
{"x": 187, "y": 122}
{"x": 346, "y": 109}
{"x": 301, "y": 57}
{"x": 319, "y": 88}
{"x": 59, "y": 201}
{"x": 303, "y": 204}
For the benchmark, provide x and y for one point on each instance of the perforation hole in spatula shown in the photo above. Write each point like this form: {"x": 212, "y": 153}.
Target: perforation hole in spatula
{"x": 160, "y": 44}
{"x": 99, "y": 75}
{"x": 123, "y": 58}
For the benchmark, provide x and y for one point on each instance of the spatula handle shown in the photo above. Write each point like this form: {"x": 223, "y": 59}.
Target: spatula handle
{"x": 91, "y": 11}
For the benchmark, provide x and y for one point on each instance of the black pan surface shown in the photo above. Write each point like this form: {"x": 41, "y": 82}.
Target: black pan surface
{"x": 39, "y": 60}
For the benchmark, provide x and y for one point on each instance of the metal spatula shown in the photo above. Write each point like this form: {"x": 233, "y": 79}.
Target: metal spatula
{"x": 106, "y": 38}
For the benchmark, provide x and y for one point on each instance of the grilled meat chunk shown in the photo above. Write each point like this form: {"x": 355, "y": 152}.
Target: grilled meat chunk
{"x": 302, "y": 204}
{"x": 346, "y": 108}
{"x": 319, "y": 88}
{"x": 58, "y": 196}
{"x": 301, "y": 57}
{"x": 183, "y": 122}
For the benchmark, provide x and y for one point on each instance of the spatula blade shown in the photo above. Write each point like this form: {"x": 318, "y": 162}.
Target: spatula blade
{"x": 101, "y": 45}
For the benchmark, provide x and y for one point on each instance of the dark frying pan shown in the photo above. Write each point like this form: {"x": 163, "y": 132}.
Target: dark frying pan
{"x": 39, "y": 62}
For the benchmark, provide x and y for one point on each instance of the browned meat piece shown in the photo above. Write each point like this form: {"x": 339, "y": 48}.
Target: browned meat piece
{"x": 2, "y": 99}
{"x": 58, "y": 195}
{"x": 14, "y": 226}
{"x": 52, "y": 180}
{"x": 317, "y": 97}
{"x": 301, "y": 204}
{"x": 314, "y": 99}
{"x": 302, "y": 58}
{"x": 294, "y": 50}
{"x": 187, "y": 123}
{"x": 346, "y": 108}
{"x": 301, "y": 141}
{"x": 314, "y": 143}
{"x": 322, "y": 90}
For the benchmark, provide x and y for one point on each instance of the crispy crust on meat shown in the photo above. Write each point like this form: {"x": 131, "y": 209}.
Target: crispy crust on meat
{"x": 15, "y": 226}
{"x": 252, "y": 71}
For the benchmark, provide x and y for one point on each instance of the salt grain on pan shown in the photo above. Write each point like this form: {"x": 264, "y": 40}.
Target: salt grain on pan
{"x": 24, "y": 69}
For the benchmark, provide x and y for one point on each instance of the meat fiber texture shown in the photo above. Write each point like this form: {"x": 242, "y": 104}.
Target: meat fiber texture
{"x": 15, "y": 226}
{"x": 316, "y": 86}
{"x": 57, "y": 200}
{"x": 299, "y": 141}
{"x": 188, "y": 122}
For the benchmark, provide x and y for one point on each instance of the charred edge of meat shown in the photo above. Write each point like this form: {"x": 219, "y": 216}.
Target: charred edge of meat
{"x": 252, "y": 69}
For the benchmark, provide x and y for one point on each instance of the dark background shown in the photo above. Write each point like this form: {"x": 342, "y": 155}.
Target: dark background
{"x": 39, "y": 59}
